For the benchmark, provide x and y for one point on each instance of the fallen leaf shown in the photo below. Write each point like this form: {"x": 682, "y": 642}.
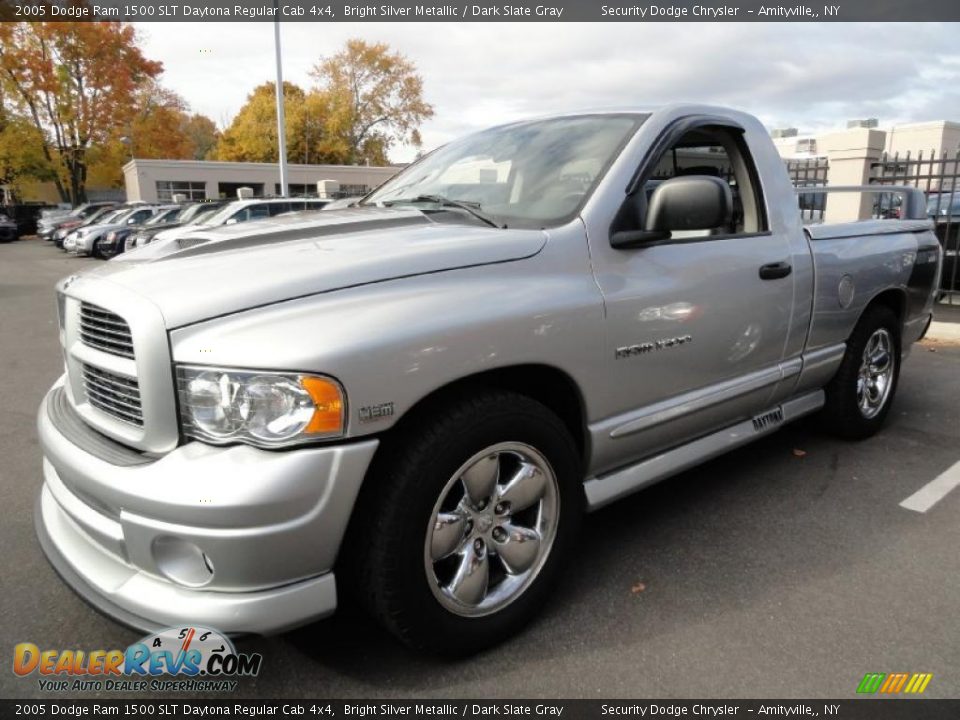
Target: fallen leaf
{"x": 638, "y": 588}
{"x": 799, "y": 453}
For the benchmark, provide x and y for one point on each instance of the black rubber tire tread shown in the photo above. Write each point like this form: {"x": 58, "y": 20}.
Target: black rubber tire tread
{"x": 841, "y": 416}
{"x": 383, "y": 559}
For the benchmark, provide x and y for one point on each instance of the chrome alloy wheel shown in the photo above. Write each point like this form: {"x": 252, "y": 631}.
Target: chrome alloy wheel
{"x": 876, "y": 373}
{"x": 491, "y": 530}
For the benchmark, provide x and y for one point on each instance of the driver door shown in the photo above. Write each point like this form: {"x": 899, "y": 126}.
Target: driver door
{"x": 694, "y": 334}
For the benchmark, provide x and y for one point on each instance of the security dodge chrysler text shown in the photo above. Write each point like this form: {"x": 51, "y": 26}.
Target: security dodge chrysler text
{"x": 411, "y": 402}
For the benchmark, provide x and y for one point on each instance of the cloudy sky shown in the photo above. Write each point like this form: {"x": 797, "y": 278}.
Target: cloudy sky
{"x": 810, "y": 76}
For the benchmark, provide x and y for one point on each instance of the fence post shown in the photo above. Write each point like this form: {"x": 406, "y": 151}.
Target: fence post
{"x": 849, "y": 154}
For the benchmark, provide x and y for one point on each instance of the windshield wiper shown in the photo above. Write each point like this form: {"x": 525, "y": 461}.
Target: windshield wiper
{"x": 472, "y": 208}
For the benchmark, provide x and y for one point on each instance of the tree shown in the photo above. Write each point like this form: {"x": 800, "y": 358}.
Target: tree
{"x": 158, "y": 127}
{"x": 74, "y": 81}
{"x": 252, "y": 136}
{"x": 203, "y": 135}
{"x": 375, "y": 99}
{"x": 21, "y": 149}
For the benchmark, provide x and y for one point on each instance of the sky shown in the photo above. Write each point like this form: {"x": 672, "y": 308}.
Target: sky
{"x": 810, "y": 76}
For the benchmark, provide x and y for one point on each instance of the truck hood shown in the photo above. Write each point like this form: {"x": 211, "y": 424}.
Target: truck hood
{"x": 351, "y": 250}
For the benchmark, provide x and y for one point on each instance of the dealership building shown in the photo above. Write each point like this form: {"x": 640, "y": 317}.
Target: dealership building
{"x": 160, "y": 180}
{"x": 934, "y": 137}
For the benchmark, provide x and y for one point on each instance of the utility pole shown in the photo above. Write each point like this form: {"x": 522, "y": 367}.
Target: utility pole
{"x": 281, "y": 121}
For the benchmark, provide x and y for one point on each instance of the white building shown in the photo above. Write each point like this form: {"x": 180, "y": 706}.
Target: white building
{"x": 939, "y": 136}
{"x": 159, "y": 180}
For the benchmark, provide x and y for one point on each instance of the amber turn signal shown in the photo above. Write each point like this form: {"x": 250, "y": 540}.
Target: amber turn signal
{"x": 328, "y": 418}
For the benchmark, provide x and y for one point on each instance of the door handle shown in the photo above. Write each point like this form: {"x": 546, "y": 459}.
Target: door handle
{"x": 775, "y": 271}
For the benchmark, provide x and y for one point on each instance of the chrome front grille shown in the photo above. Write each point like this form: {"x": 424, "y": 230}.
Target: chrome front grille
{"x": 113, "y": 394}
{"x": 117, "y": 357}
{"x": 104, "y": 330}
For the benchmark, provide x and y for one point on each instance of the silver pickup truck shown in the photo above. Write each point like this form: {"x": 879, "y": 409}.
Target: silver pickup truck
{"x": 412, "y": 404}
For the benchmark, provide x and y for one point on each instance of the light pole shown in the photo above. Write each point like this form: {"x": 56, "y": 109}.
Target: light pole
{"x": 281, "y": 121}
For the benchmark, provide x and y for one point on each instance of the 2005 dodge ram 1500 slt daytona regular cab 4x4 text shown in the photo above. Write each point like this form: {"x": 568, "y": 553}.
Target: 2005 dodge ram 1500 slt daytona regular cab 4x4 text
{"x": 421, "y": 395}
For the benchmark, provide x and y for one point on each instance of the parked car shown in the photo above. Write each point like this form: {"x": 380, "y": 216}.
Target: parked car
{"x": 26, "y": 214}
{"x": 86, "y": 241}
{"x": 8, "y": 229}
{"x": 425, "y": 395}
{"x": 240, "y": 211}
{"x": 944, "y": 209}
{"x": 343, "y": 203}
{"x": 102, "y": 215}
{"x": 114, "y": 242}
{"x": 941, "y": 206}
{"x": 280, "y": 228}
{"x": 48, "y": 225}
{"x": 190, "y": 215}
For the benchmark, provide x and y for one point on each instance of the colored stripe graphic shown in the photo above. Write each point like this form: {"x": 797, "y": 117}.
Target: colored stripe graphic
{"x": 893, "y": 683}
{"x": 871, "y": 682}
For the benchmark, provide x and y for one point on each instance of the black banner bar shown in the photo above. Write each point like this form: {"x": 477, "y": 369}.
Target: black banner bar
{"x": 847, "y": 709}
{"x": 483, "y": 11}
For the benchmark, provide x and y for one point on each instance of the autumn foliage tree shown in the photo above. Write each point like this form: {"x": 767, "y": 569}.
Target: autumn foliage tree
{"x": 252, "y": 136}
{"x": 21, "y": 157}
{"x": 202, "y": 134}
{"x": 75, "y": 82}
{"x": 92, "y": 101}
{"x": 376, "y": 100}
{"x": 368, "y": 100}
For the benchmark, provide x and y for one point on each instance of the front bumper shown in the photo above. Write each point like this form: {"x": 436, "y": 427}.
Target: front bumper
{"x": 237, "y": 538}
{"x": 83, "y": 245}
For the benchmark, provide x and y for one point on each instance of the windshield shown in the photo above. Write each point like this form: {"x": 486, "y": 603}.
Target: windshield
{"x": 120, "y": 218}
{"x": 531, "y": 174}
{"x": 101, "y": 216}
{"x": 219, "y": 218}
{"x": 164, "y": 216}
{"x": 940, "y": 203}
{"x": 201, "y": 215}
{"x": 191, "y": 211}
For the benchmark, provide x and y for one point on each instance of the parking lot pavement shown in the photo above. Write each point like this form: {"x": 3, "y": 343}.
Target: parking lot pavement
{"x": 785, "y": 569}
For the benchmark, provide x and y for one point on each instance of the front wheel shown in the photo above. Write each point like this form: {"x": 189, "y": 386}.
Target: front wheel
{"x": 466, "y": 522}
{"x": 860, "y": 394}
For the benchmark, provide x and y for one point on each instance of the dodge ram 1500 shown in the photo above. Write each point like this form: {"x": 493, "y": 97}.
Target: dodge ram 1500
{"x": 414, "y": 400}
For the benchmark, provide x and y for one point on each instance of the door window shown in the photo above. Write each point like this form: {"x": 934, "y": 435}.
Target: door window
{"x": 712, "y": 151}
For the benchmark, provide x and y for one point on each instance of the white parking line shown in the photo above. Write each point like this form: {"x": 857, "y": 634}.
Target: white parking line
{"x": 934, "y": 491}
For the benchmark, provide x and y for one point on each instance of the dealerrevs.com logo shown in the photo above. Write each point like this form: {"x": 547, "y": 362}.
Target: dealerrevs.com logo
{"x": 176, "y": 659}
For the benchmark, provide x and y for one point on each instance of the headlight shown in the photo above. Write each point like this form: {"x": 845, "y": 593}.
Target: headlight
{"x": 268, "y": 409}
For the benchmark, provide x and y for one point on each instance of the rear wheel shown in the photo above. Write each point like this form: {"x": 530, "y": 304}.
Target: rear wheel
{"x": 465, "y": 522}
{"x": 860, "y": 394}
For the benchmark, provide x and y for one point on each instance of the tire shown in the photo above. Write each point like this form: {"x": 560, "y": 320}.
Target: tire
{"x": 856, "y": 404}
{"x": 416, "y": 479}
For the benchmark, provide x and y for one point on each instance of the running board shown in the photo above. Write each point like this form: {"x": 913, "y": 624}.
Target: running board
{"x": 605, "y": 489}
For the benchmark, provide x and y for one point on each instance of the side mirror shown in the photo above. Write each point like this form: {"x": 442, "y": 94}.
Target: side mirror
{"x": 231, "y": 221}
{"x": 689, "y": 202}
